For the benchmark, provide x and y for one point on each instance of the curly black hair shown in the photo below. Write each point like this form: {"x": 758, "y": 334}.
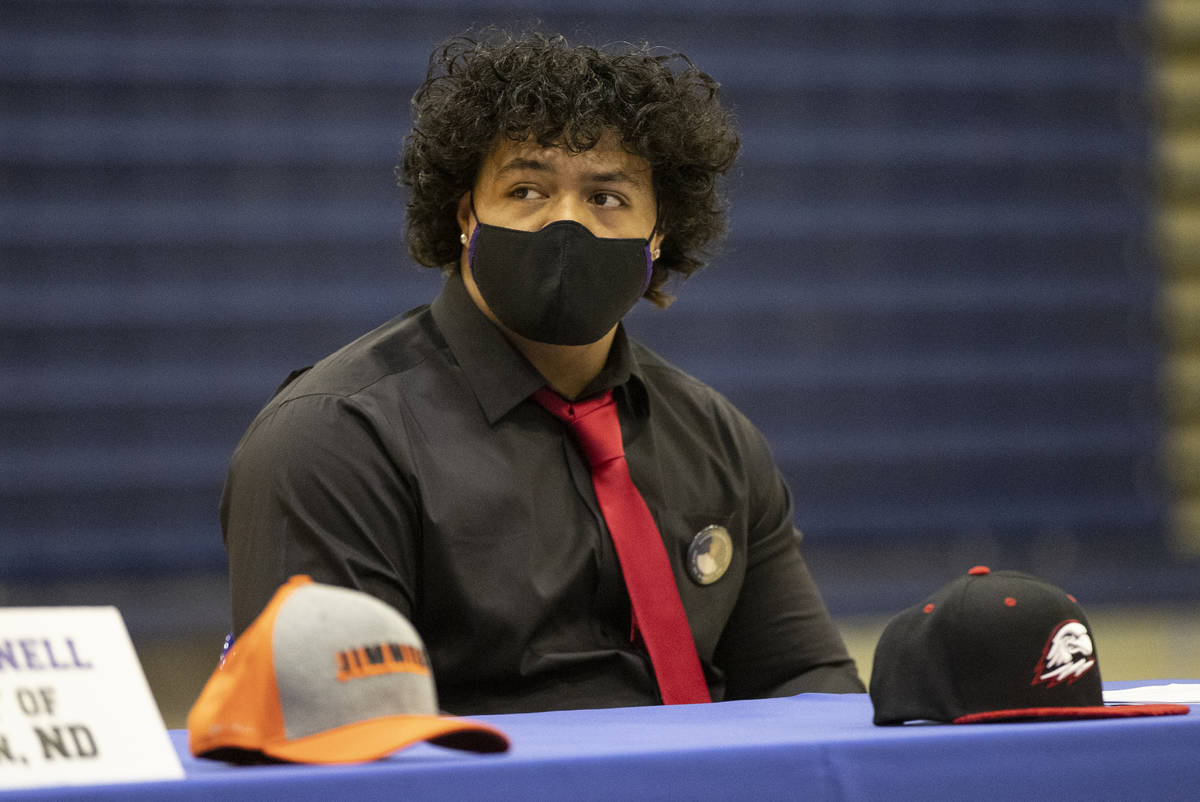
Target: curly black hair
{"x": 538, "y": 85}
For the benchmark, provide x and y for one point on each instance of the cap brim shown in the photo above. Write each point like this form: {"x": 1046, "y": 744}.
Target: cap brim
{"x": 375, "y": 738}
{"x": 1052, "y": 713}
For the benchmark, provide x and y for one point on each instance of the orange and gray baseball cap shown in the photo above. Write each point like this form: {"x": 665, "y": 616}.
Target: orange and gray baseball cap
{"x": 993, "y": 646}
{"x": 326, "y": 675}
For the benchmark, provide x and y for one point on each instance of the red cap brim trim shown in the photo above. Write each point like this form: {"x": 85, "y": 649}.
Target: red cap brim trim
{"x": 1051, "y": 713}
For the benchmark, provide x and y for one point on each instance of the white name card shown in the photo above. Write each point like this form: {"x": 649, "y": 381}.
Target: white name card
{"x": 75, "y": 708}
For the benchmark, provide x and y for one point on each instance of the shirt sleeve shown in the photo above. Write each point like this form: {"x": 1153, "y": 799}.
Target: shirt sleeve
{"x": 312, "y": 490}
{"x": 780, "y": 639}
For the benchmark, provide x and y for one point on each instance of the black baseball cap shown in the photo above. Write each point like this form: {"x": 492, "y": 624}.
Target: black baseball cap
{"x": 993, "y": 646}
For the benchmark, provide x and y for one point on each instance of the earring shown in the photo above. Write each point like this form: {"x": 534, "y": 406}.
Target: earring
{"x": 655, "y": 253}
{"x": 462, "y": 238}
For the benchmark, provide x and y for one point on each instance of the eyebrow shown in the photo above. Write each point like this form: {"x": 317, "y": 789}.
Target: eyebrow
{"x": 522, "y": 163}
{"x": 611, "y": 177}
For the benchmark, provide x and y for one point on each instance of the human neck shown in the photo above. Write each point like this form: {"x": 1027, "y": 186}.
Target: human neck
{"x": 568, "y": 369}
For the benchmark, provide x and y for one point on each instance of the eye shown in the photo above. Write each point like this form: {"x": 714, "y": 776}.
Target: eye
{"x": 526, "y": 193}
{"x": 608, "y": 200}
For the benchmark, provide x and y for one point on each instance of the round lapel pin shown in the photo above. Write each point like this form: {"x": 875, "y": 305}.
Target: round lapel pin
{"x": 709, "y": 554}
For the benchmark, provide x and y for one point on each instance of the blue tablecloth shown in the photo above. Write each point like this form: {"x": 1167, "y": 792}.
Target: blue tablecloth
{"x": 812, "y": 746}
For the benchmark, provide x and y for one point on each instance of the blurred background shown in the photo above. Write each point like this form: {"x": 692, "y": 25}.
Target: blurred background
{"x": 961, "y": 292}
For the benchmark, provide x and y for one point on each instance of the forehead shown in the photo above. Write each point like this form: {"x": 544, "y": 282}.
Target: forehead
{"x": 607, "y": 158}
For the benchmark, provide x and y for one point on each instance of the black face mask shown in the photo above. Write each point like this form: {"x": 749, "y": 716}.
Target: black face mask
{"x": 561, "y": 284}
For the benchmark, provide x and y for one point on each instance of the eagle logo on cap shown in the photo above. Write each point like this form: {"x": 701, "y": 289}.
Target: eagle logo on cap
{"x": 1067, "y": 656}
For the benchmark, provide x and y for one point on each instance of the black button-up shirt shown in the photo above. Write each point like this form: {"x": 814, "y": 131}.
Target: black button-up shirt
{"x": 413, "y": 465}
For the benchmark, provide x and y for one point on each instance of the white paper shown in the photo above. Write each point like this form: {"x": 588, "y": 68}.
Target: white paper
{"x": 75, "y": 707}
{"x": 1184, "y": 693}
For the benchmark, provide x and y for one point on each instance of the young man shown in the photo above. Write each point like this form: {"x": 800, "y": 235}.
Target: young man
{"x": 568, "y": 520}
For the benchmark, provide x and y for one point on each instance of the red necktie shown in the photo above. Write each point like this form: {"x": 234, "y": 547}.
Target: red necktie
{"x": 657, "y": 610}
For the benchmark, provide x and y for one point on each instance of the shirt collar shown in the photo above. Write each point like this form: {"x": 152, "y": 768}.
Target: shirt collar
{"x": 499, "y": 376}
{"x": 621, "y": 373}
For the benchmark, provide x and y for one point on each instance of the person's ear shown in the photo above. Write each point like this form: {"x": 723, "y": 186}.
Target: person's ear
{"x": 656, "y": 244}
{"x": 466, "y": 220}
